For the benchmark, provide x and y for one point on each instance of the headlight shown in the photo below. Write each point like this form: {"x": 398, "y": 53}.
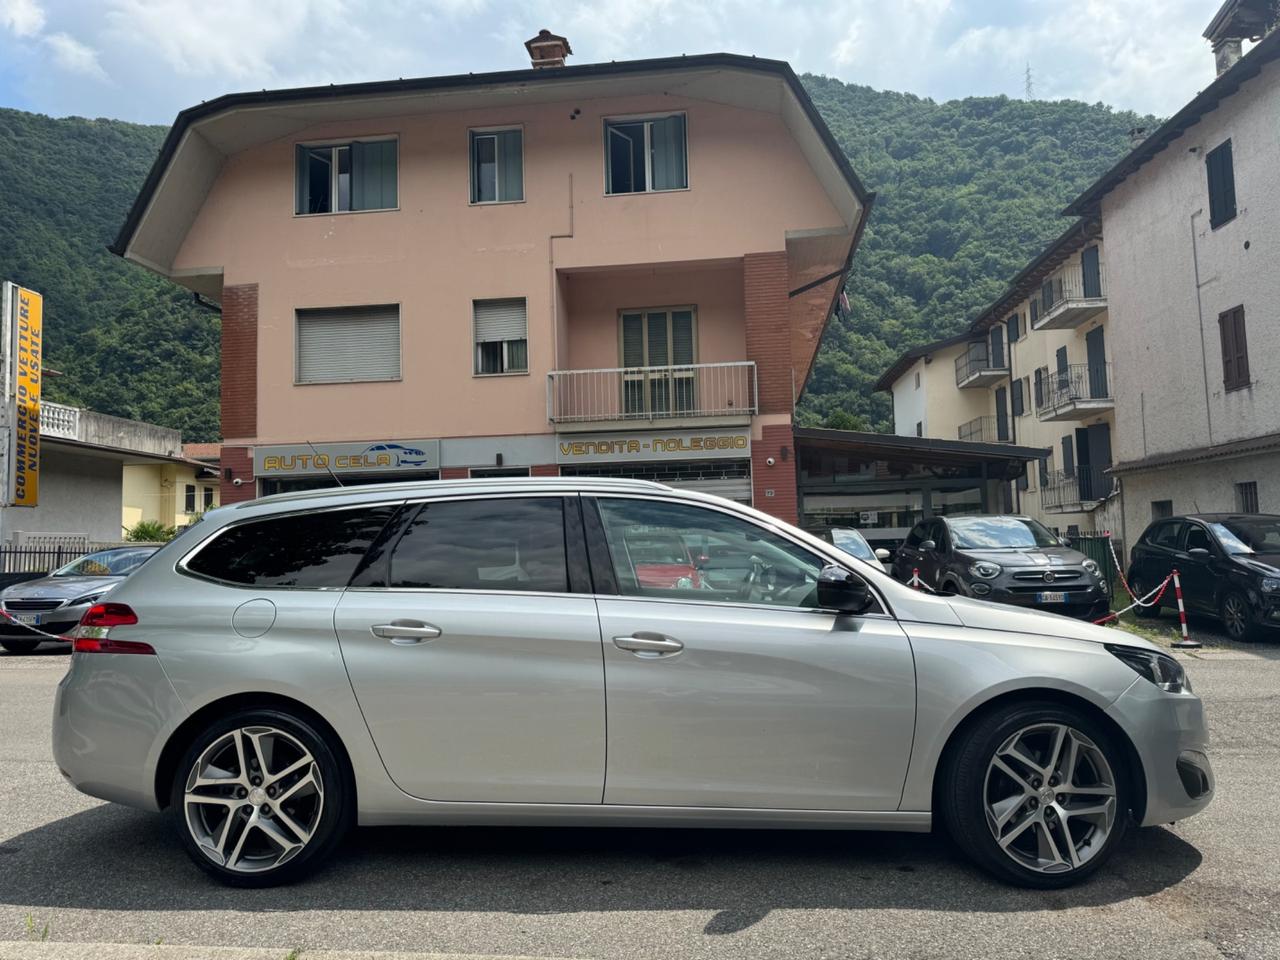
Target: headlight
{"x": 985, "y": 569}
{"x": 1092, "y": 567}
{"x": 1270, "y": 584}
{"x": 1161, "y": 669}
{"x": 87, "y": 598}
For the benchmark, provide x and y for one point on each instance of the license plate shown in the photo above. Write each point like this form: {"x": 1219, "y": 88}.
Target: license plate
{"x": 30, "y": 619}
{"x": 1051, "y": 598}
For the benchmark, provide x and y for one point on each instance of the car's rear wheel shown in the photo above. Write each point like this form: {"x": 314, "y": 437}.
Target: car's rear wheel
{"x": 1032, "y": 794}
{"x": 1237, "y": 617}
{"x": 19, "y": 646}
{"x": 260, "y": 798}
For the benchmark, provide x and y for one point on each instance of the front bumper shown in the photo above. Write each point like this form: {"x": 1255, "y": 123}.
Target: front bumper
{"x": 1092, "y": 603}
{"x": 13, "y": 631}
{"x": 1172, "y": 740}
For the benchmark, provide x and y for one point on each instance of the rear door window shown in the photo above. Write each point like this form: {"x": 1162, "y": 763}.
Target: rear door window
{"x": 491, "y": 544}
{"x": 317, "y": 550}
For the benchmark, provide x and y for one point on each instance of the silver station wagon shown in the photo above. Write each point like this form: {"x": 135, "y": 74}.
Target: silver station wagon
{"x": 588, "y": 652}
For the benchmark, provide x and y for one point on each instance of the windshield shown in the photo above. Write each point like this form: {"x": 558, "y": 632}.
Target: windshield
{"x": 1251, "y": 535}
{"x": 1000, "y": 533}
{"x": 850, "y": 541}
{"x": 107, "y": 563}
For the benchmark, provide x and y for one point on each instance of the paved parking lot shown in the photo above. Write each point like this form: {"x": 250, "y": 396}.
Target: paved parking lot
{"x": 1209, "y": 887}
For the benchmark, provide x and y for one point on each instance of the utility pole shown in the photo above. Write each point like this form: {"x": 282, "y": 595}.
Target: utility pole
{"x": 1029, "y": 87}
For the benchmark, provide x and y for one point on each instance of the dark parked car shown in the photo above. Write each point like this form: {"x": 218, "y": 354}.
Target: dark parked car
{"x": 1228, "y": 564}
{"x": 1007, "y": 559}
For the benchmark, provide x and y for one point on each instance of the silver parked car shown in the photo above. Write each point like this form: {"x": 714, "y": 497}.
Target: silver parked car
{"x": 450, "y": 652}
{"x": 55, "y": 604}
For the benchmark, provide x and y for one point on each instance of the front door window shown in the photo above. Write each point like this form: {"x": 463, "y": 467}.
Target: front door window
{"x": 658, "y": 353}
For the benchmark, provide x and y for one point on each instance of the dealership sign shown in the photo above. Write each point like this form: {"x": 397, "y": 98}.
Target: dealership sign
{"x": 625, "y": 447}
{"x": 23, "y": 343}
{"x": 315, "y": 459}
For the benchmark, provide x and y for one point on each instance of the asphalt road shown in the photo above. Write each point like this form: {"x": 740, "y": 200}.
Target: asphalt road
{"x": 1209, "y": 887}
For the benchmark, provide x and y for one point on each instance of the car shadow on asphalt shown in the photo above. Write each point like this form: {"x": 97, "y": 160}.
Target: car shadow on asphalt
{"x": 115, "y": 858}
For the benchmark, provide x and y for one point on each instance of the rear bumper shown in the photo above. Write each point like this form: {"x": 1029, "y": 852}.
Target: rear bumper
{"x": 112, "y": 714}
{"x": 1172, "y": 740}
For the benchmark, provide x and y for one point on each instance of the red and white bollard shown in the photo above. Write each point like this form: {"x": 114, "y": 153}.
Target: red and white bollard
{"x": 1186, "y": 643}
{"x": 914, "y": 583}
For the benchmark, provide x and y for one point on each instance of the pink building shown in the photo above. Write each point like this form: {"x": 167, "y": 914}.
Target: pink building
{"x": 619, "y": 269}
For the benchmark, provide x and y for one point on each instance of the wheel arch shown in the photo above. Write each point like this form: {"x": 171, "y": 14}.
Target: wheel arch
{"x": 1135, "y": 772}
{"x": 186, "y": 731}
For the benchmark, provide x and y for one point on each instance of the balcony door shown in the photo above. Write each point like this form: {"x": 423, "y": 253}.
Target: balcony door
{"x": 658, "y": 353}
{"x": 1091, "y": 270}
{"x": 1096, "y": 349}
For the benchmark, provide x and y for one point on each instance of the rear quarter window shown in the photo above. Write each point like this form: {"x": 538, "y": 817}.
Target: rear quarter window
{"x": 310, "y": 550}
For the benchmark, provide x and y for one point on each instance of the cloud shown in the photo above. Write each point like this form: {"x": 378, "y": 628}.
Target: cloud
{"x": 70, "y": 54}
{"x": 24, "y": 17}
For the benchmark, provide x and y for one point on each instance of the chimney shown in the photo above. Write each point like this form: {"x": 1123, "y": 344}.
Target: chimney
{"x": 1137, "y": 135}
{"x": 547, "y": 50}
{"x": 1226, "y": 52}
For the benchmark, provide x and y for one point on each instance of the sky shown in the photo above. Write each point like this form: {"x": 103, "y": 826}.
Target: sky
{"x": 144, "y": 60}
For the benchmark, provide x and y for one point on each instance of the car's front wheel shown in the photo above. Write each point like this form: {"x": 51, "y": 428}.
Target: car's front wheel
{"x": 1032, "y": 794}
{"x": 260, "y": 798}
{"x": 1237, "y": 616}
{"x": 20, "y": 646}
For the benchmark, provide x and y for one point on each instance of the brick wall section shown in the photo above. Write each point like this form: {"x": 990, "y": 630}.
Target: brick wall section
{"x": 241, "y": 465}
{"x": 240, "y": 361}
{"x": 544, "y": 470}
{"x": 780, "y": 478}
{"x": 767, "y": 308}
{"x": 453, "y": 473}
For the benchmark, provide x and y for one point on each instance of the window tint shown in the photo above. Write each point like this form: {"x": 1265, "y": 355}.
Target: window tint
{"x": 300, "y": 550}
{"x": 1166, "y": 535}
{"x": 1197, "y": 537}
{"x": 515, "y": 544}
{"x": 685, "y": 552}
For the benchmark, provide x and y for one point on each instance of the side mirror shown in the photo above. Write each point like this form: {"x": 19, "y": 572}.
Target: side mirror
{"x": 840, "y": 590}
{"x": 1065, "y": 541}
{"x": 928, "y": 545}
{"x": 882, "y": 553}
{"x": 1200, "y": 553}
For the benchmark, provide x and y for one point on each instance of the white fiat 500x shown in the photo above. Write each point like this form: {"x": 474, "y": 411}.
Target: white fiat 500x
{"x": 587, "y": 652}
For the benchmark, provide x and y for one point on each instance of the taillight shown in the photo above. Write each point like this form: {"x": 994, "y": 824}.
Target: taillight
{"x": 92, "y": 636}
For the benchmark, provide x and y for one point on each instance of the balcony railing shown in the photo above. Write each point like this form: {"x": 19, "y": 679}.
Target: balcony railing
{"x": 1077, "y": 490}
{"x": 652, "y": 393}
{"x": 1072, "y": 393}
{"x": 989, "y": 429}
{"x": 979, "y": 367}
{"x": 1070, "y": 297}
{"x": 57, "y": 420}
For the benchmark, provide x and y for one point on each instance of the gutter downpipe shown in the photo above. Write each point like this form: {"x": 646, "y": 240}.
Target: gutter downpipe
{"x": 555, "y": 302}
{"x": 1204, "y": 359}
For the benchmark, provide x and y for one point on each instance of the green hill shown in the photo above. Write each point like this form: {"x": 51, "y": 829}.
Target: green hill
{"x": 967, "y": 191}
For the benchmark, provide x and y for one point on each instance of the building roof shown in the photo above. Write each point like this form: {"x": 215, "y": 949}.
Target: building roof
{"x": 909, "y": 357}
{"x": 259, "y": 113}
{"x": 1266, "y": 443}
{"x": 202, "y": 451}
{"x": 925, "y": 449}
{"x": 1246, "y": 68}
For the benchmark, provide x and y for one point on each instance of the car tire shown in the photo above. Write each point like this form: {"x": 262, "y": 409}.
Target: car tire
{"x": 980, "y": 800}
{"x": 1141, "y": 588}
{"x": 20, "y": 646}
{"x": 246, "y": 832}
{"x": 1237, "y": 617}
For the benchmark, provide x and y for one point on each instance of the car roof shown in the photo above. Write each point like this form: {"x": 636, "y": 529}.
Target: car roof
{"x": 1218, "y": 517}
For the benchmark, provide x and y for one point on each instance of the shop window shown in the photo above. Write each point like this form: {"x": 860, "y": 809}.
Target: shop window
{"x": 348, "y": 344}
{"x": 646, "y": 155}
{"x": 501, "y": 335}
{"x": 497, "y": 166}
{"x": 490, "y": 472}
{"x": 343, "y": 177}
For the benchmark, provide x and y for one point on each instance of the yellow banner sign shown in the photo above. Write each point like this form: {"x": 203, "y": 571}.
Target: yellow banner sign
{"x": 27, "y": 342}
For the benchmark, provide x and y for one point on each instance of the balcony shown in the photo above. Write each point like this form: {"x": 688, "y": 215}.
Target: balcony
{"x": 978, "y": 367}
{"x": 1076, "y": 392}
{"x": 701, "y": 393}
{"x": 57, "y": 420}
{"x": 1070, "y": 297}
{"x": 989, "y": 429}
{"x": 1078, "y": 490}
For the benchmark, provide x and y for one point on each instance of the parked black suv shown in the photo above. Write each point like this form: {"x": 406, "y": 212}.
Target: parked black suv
{"x": 1228, "y": 564}
{"x": 1007, "y": 559}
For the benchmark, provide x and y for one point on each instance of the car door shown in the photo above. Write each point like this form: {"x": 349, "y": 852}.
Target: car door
{"x": 907, "y": 557}
{"x": 1160, "y": 555}
{"x": 473, "y": 646}
{"x": 744, "y": 697}
{"x": 1199, "y": 574}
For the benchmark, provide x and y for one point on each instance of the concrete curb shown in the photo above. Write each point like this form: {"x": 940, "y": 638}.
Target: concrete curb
{"x": 35, "y": 950}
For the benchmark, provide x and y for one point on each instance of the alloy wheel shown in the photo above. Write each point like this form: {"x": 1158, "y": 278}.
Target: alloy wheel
{"x": 1050, "y": 798}
{"x": 253, "y": 799}
{"x": 1234, "y": 616}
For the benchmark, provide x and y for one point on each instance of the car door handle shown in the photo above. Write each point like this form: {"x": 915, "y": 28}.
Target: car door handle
{"x": 404, "y": 633}
{"x": 648, "y": 643}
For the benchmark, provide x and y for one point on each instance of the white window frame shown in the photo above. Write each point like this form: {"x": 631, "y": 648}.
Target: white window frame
{"x": 475, "y": 344}
{"x": 474, "y": 133}
{"x": 647, "y": 119}
{"x": 333, "y": 167}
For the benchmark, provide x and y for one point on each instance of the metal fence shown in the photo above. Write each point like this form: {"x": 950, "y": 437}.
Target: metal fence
{"x": 651, "y": 393}
{"x": 1072, "y": 283}
{"x": 1094, "y": 546}
{"x": 978, "y": 358}
{"x": 988, "y": 429}
{"x": 41, "y": 559}
{"x": 1058, "y": 387}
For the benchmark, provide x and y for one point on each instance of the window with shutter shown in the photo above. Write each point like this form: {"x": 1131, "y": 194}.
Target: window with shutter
{"x": 348, "y": 344}
{"x": 342, "y": 177}
{"x": 1017, "y": 400}
{"x": 661, "y": 338}
{"x": 1035, "y": 312}
{"x": 501, "y": 335}
{"x": 1222, "y": 184}
{"x": 1014, "y": 325}
{"x": 1235, "y": 349}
